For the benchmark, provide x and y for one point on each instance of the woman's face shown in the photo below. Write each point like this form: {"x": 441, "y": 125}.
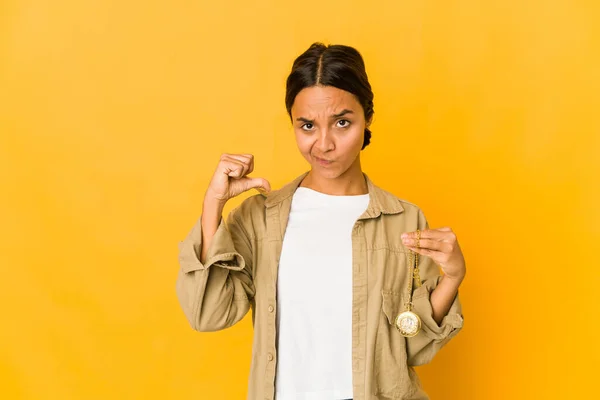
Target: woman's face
{"x": 330, "y": 126}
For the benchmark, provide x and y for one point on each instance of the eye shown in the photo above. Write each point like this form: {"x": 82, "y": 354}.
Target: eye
{"x": 345, "y": 122}
{"x": 307, "y": 127}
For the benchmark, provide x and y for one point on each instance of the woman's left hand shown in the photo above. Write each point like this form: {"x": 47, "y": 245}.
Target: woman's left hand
{"x": 441, "y": 245}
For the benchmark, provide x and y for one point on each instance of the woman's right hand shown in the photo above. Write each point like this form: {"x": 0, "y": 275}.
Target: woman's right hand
{"x": 230, "y": 178}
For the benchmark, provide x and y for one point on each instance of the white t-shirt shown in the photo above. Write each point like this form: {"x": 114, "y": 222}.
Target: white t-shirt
{"x": 314, "y": 297}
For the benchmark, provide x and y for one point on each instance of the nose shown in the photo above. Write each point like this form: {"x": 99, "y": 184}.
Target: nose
{"x": 324, "y": 141}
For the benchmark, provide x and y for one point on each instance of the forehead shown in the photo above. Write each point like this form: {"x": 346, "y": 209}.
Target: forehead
{"x": 317, "y": 99}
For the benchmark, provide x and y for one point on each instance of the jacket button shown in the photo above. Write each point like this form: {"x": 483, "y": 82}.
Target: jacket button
{"x": 270, "y": 357}
{"x": 271, "y": 308}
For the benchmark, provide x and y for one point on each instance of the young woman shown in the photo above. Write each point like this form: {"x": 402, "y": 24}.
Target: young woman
{"x": 343, "y": 278}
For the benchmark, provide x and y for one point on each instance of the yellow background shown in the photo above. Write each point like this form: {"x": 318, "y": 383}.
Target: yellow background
{"x": 113, "y": 115}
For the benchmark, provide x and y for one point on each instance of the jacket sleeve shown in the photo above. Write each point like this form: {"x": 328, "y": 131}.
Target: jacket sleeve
{"x": 423, "y": 347}
{"x": 216, "y": 294}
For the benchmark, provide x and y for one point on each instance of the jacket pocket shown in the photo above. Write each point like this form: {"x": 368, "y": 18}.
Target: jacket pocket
{"x": 390, "y": 369}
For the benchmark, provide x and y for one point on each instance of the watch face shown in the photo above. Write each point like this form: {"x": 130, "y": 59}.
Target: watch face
{"x": 408, "y": 323}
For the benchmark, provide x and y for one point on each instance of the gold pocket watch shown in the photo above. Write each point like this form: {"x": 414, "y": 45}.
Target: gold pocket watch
{"x": 407, "y": 322}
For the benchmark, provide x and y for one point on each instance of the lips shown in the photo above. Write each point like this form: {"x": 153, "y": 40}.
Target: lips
{"x": 323, "y": 161}
{"x": 320, "y": 158}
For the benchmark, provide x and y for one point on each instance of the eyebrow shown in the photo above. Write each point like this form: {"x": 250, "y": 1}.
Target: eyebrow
{"x": 334, "y": 116}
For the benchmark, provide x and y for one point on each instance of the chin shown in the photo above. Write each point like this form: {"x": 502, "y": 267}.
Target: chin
{"x": 327, "y": 173}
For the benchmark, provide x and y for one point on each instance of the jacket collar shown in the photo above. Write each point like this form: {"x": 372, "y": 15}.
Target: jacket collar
{"x": 380, "y": 201}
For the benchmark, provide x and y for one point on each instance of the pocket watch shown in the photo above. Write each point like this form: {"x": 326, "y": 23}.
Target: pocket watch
{"x": 407, "y": 322}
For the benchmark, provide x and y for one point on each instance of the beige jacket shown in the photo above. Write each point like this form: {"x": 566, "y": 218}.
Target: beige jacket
{"x": 240, "y": 273}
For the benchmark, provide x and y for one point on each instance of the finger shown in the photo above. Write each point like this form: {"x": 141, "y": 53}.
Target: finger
{"x": 233, "y": 168}
{"x": 240, "y": 158}
{"x": 430, "y": 244}
{"x": 426, "y": 252}
{"x": 448, "y": 235}
{"x": 251, "y": 163}
{"x": 244, "y": 164}
{"x": 425, "y": 234}
{"x": 444, "y": 234}
{"x": 247, "y": 159}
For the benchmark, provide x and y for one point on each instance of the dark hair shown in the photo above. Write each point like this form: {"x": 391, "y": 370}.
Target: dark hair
{"x": 334, "y": 65}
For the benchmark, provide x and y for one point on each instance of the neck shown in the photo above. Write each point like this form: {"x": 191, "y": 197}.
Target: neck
{"x": 350, "y": 183}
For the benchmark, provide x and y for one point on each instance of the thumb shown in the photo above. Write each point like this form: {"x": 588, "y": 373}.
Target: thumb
{"x": 247, "y": 183}
{"x": 258, "y": 183}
